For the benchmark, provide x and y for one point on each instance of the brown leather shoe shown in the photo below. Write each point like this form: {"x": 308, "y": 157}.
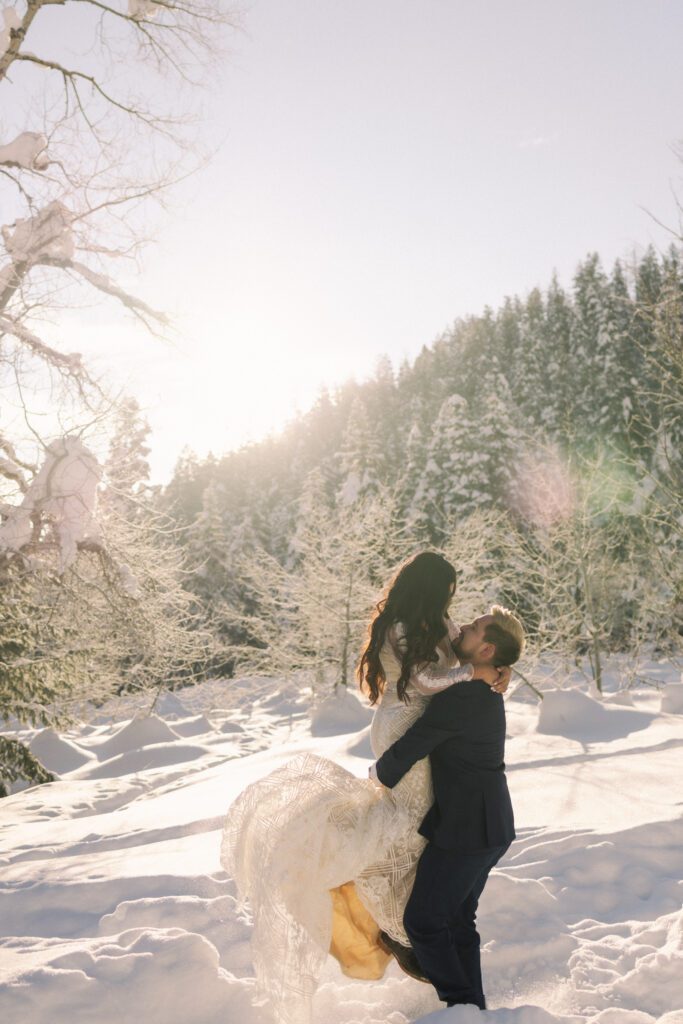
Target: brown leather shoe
{"x": 404, "y": 957}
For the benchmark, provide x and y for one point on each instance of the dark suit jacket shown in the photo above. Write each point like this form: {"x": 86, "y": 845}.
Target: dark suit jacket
{"x": 463, "y": 731}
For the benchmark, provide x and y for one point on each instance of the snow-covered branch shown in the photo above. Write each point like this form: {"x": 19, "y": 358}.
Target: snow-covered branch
{"x": 62, "y": 498}
{"x": 71, "y": 362}
{"x": 103, "y": 284}
{"x": 28, "y": 150}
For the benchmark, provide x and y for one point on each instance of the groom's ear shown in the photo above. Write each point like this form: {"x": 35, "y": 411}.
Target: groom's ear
{"x": 488, "y": 651}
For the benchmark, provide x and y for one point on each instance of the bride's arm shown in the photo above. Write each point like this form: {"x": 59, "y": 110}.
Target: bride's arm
{"x": 431, "y": 677}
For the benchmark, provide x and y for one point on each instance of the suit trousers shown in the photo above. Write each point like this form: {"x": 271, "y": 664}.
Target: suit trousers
{"x": 440, "y": 919}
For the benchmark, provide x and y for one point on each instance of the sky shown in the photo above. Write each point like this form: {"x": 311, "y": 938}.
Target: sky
{"x": 386, "y": 167}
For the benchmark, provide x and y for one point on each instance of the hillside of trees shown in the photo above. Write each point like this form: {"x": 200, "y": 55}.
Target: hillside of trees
{"x": 539, "y": 444}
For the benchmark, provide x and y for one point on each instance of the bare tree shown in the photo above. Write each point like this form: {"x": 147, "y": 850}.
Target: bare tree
{"x": 92, "y": 597}
{"x": 577, "y": 561}
{"x": 310, "y": 619}
{"x": 107, "y": 133}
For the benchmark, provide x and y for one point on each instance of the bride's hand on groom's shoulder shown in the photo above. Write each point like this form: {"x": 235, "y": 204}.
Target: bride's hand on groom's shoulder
{"x": 503, "y": 681}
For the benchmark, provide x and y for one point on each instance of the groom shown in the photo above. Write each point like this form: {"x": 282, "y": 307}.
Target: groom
{"x": 470, "y": 824}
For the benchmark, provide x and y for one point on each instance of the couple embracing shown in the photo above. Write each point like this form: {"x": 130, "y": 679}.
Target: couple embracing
{"x": 391, "y": 866}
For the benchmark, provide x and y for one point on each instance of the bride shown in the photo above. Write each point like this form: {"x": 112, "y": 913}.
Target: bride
{"x": 325, "y": 860}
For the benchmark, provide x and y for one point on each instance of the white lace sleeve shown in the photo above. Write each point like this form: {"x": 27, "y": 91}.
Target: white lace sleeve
{"x": 432, "y": 679}
{"x": 433, "y": 676}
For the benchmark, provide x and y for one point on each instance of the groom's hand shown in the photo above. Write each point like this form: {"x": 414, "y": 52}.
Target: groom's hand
{"x": 372, "y": 774}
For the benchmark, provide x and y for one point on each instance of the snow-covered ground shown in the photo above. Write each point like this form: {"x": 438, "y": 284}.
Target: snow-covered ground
{"x": 114, "y": 907}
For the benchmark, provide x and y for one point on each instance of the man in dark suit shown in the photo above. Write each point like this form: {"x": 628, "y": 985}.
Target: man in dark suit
{"x": 470, "y": 824}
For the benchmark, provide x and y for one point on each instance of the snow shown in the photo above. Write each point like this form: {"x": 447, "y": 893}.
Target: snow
{"x": 350, "y": 489}
{"x": 140, "y": 10}
{"x": 672, "y": 698}
{"x": 128, "y": 582}
{"x": 115, "y": 907}
{"x": 64, "y": 492}
{"x": 28, "y": 150}
{"x": 57, "y": 754}
{"x": 578, "y": 715}
{"x": 139, "y": 732}
{"x": 169, "y": 705}
{"x": 10, "y": 469}
{"x": 10, "y": 20}
{"x": 197, "y": 726}
{"x": 47, "y": 234}
{"x": 338, "y": 714}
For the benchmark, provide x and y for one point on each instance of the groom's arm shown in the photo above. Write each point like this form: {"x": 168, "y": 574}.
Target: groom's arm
{"x": 447, "y": 716}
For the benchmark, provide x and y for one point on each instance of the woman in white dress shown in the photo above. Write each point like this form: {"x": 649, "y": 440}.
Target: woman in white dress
{"x": 325, "y": 860}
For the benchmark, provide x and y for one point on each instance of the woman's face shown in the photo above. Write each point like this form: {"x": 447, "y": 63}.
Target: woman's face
{"x": 451, "y": 592}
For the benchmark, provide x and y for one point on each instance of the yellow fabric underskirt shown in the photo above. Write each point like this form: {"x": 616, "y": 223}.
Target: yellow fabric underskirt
{"x": 355, "y": 936}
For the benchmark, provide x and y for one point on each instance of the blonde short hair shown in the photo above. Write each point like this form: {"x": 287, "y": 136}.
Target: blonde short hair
{"x": 506, "y": 633}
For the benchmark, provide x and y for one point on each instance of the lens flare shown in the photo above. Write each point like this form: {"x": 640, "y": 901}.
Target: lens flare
{"x": 544, "y": 492}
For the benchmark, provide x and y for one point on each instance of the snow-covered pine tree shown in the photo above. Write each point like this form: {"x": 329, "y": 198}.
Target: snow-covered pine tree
{"x": 362, "y": 459}
{"x": 499, "y": 436}
{"x": 648, "y": 280}
{"x": 444, "y": 482}
{"x": 126, "y": 469}
{"x": 207, "y": 546}
{"x": 527, "y": 364}
{"x": 472, "y": 547}
{"x": 658, "y": 461}
{"x": 558, "y": 412}
{"x": 410, "y": 486}
{"x": 600, "y": 356}
{"x": 508, "y": 345}
{"x": 315, "y": 508}
{"x": 590, "y": 339}
{"x": 619, "y": 365}
{"x": 473, "y": 451}
{"x": 181, "y": 498}
{"x": 648, "y": 283}
{"x": 214, "y": 546}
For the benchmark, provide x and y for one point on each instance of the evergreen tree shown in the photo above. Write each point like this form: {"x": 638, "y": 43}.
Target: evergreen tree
{"x": 509, "y": 345}
{"x": 559, "y": 380}
{"x": 182, "y": 497}
{"x": 472, "y": 453}
{"x": 496, "y": 443}
{"x": 448, "y": 433}
{"x": 126, "y": 469}
{"x": 620, "y": 366}
{"x": 410, "y": 485}
{"x": 440, "y": 499}
{"x": 362, "y": 459}
{"x": 648, "y": 292}
{"x": 599, "y": 341}
{"x": 527, "y": 371}
{"x": 207, "y": 545}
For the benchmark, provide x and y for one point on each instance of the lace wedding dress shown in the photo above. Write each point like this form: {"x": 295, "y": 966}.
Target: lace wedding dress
{"x": 325, "y": 859}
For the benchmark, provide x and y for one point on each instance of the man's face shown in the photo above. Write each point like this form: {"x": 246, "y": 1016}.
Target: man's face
{"x": 471, "y": 645}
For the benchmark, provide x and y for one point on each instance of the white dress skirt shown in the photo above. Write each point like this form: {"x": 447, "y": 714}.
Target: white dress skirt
{"x": 294, "y": 841}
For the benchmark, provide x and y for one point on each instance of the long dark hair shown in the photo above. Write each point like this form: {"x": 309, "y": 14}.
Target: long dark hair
{"x": 417, "y": 596}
